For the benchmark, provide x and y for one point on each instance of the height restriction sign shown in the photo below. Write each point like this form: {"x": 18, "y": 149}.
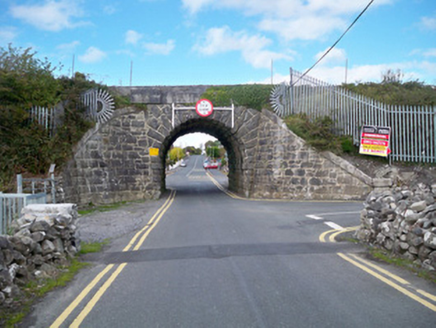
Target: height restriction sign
{"x": 204, "y": 107}
{"x": 375, "y": 141}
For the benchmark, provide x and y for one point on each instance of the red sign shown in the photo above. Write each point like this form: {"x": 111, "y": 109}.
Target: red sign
{"x": 375, "y": 141}
{"x": 204, "y": 107}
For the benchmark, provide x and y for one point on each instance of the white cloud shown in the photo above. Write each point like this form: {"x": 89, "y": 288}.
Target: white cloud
{"x": 373, "y": 73}
{"x": 223, "y": 39}
{"x": 303, "y": 28}
{"x": 291, "y": 19}
{"x": 160, "y": 48}
{"x": 92, "y": 55}
{"x": 194, "y": 6}
{"x": 110, "y": 9}
{"x": 68, "y": 47}
{"x": 7, "y": 34}
{"x": 336, "y": 55}
{"x": 430, "y": 53}
{"x": 51, "y": 16}
{"x": 428, "y": 23}
{"x": 132, "y": 37}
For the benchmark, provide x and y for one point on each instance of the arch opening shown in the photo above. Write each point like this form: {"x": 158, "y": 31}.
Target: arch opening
{"x": 215, "y": 129}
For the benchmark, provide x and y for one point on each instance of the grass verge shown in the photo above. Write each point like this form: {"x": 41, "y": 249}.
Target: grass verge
{"x": 34, "y": 289}
{"x": 409, "y": 265}
{"x": 91, "y": 208}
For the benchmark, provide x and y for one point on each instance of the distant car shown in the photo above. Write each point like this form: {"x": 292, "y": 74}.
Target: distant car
{"x": 209, "y": 166}
{"x": 183, "y": 164}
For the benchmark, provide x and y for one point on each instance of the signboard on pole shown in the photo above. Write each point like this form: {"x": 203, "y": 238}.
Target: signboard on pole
{"x": 375, "y": 141}
{"x": 204, "y": 107}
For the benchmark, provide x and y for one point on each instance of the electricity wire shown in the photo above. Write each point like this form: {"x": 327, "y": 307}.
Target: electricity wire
{"x": 334, "y": 44}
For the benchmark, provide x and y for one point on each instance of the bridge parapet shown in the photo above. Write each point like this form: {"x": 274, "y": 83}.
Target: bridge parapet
{"x": 162, "y": 94}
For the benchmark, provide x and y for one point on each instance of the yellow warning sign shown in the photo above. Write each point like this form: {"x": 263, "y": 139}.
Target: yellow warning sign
{"x": 154, "y": 151}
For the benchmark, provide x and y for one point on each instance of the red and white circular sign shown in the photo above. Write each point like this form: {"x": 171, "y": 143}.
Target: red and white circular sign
{"x": 204, "y": 107}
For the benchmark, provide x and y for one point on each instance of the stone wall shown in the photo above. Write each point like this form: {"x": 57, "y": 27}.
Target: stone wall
{"x": 278, "y": 164}
{"x": 162, "y": 94}
{"x": 44, "y": 238}
{"x": 402, "y": 221}
{"x": 266, "y": 160}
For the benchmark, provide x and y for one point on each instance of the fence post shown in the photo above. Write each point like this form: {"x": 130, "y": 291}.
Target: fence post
{"x": 53, "y": 189}
{"x": 19, "y": 184}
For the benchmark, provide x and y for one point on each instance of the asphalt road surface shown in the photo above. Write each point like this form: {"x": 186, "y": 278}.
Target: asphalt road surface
{"x": 206, "y": 258}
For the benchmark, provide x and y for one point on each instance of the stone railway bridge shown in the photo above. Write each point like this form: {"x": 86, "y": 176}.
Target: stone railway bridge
{"x": 266, "y": 160}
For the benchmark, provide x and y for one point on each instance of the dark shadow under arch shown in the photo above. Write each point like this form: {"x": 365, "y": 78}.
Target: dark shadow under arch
{"x": 216, "y": 129}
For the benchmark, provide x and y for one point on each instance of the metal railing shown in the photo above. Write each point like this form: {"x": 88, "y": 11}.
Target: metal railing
{"x": 413, "y": 136}
{"x": 38, "y": 185}
{"x": 12, "y": 204}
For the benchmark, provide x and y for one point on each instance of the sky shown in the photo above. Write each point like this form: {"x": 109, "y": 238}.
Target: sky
{"x": 213, "y": 42}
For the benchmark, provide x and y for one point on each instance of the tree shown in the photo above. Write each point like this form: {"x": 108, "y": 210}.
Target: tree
{"x": 26, "y": 80}
{"x": 213, "y": 152}
{"x": 176, "y": 154}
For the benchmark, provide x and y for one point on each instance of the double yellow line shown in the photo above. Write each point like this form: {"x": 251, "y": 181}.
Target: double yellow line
{"x": 132, "y": 245}
{"x": 396, "y": 282}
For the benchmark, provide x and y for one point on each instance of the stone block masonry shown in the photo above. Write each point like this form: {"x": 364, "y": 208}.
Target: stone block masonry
{"x": 266, "y": 160}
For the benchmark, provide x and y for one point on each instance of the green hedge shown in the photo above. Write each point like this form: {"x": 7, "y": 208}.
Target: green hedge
{"x": 255, "y": 96}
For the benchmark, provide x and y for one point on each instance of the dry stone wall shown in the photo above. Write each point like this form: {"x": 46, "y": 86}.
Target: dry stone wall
{"x": 402, "y": 221}
{"x": 44, "y": 238}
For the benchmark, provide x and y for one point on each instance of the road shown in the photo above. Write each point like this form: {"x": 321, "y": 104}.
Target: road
{"x": 207, "y": 258}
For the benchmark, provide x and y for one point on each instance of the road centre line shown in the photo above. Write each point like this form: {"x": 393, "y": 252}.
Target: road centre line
{"x": 150, "y": 222}
{"x": 195, "y": 165}
{"x": 150, "y": 226}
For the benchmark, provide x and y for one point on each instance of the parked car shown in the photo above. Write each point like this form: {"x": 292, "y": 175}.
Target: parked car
{"x": 183, "y": 164}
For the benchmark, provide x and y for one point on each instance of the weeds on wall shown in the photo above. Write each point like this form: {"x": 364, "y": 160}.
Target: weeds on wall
{"x": 319, "y": 134}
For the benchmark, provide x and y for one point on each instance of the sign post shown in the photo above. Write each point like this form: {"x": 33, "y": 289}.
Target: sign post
{"x": 204, "y": 107}
{"x": 375, "y": 141}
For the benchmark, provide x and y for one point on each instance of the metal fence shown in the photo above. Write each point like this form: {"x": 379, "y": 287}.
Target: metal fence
{"x": 413, "y": 137}
{"x": 11, "y": 206}
{"x": 45, "y": 117}
{"x": 38, "y": 185}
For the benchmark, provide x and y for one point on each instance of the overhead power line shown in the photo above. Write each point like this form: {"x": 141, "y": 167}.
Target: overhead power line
{"x": 334, "y": 44}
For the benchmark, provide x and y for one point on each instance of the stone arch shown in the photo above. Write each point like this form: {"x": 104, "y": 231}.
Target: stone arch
{"x": 112, "y": 162}
{"x": 217, "y": 129}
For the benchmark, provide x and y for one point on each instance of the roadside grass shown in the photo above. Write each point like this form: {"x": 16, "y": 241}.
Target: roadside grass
{"x": 91, "y": 208}
{"x": 86, "y": 248}
{"x": 34, "y": 289}
{"x": 385, "y": 256}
